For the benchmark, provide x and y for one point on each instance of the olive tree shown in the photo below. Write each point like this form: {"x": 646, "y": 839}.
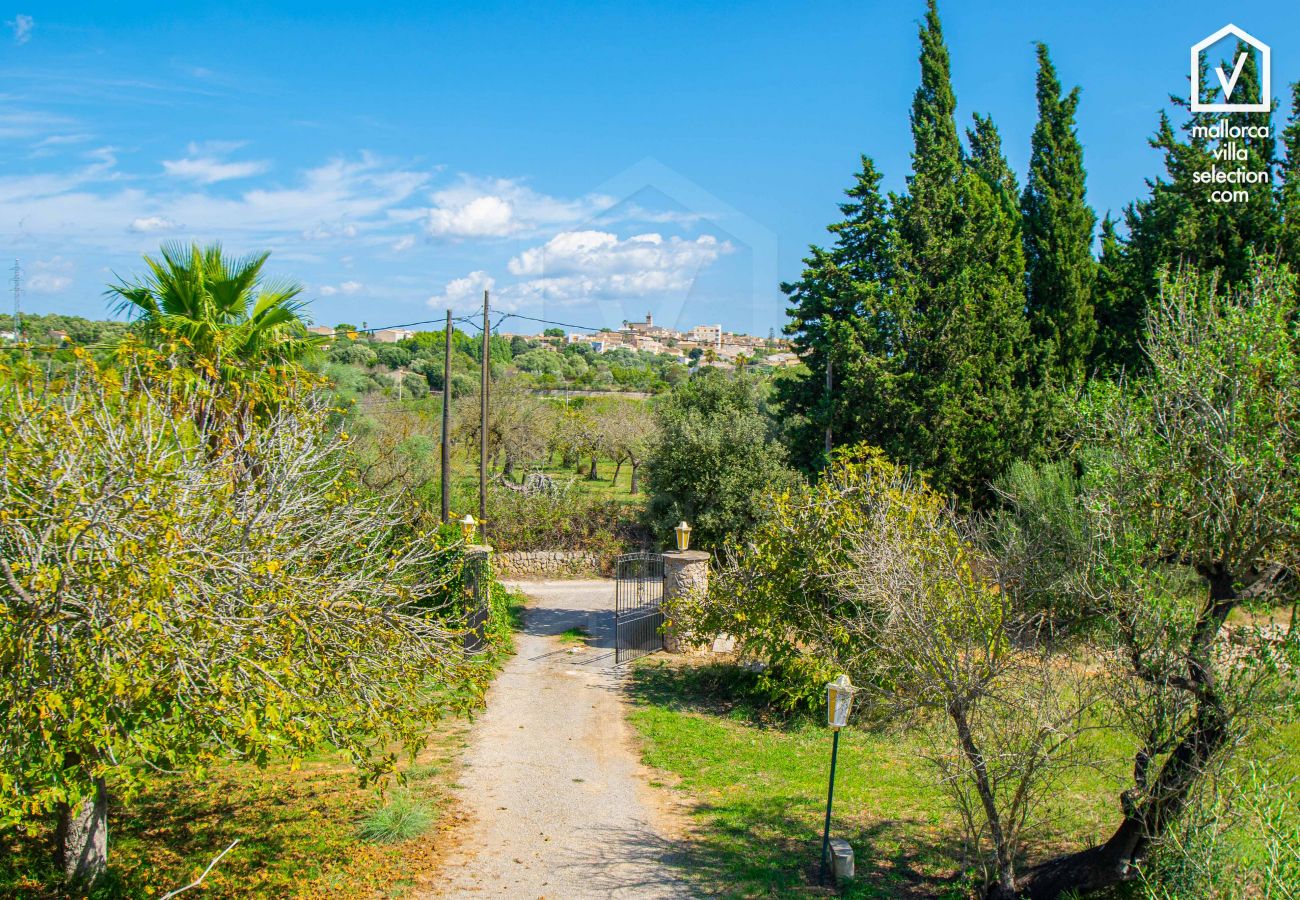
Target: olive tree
{"x": 186, "y": 577}
{"x": 1193, "y": 494}
{"x": 629, "y": 427}
{"x": 518, "y": 423}
{"x": 715, "y": 458}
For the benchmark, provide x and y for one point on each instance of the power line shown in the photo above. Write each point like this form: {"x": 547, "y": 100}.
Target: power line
{"x": 551, "y": 322}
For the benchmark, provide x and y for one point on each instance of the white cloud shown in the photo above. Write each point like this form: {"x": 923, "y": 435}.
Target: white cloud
{"x": 205, "y": 163}
{"x": 577, "y": 266}
{"x": 22, "y": 27}
{"x": 49, "y": 276}
{"x": 325, "y": 231}
{"x": 207, "y": 170}
{"x": 96, "y": 207}
{"x": 146, "y": 224}
{"x": 406, "y": 242}
{"x": 502, "y": 207}
{"x": 600, "y": 253}
{"x": 347, "y": 287}
{"x": 463, "y": 292}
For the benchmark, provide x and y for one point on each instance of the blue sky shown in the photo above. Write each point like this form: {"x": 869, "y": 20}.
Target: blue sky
{"x": 588, "y": 162}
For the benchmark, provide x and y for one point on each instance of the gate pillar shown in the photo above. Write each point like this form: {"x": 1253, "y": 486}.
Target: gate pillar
{"x": 685, "y": 572}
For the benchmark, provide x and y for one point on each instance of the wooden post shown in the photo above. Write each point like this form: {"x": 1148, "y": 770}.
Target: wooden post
{"x": 446, "y": 425}
{"x": 483, "y": 418}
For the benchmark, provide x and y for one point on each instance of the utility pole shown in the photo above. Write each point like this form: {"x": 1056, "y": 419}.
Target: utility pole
{"x": 483, "y": 419}
{"x": 446, "y": 425}
{"x": 18, "y": 290}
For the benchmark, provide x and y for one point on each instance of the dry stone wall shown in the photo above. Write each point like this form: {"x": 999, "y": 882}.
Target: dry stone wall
{"x": 547, "y": 564}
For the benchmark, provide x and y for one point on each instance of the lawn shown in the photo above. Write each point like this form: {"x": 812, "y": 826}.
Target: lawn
{"x": 757, "y": 787}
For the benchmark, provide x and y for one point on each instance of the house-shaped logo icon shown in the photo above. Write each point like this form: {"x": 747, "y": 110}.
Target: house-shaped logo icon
{"x": 1228, "y": 81}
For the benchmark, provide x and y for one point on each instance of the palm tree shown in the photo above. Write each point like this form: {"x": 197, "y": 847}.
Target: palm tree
{"x": 220, "y": 308}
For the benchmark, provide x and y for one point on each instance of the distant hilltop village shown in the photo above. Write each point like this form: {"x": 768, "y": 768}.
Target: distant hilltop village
{"x": 716, "y": 347}
{"x": 726, "y": 346}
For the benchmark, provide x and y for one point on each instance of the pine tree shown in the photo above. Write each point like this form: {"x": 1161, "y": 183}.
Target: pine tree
{"x": 838, "y": 318}
{"x": 1288, "y": 194}
{"x": 1058, "y": 226}
{"x": 1179, "y": 225}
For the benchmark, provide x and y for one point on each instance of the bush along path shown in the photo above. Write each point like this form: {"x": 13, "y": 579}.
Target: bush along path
{"x": 557, "y": 802}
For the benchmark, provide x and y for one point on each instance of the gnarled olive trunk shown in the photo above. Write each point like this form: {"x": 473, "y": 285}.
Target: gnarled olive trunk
{"x": 82, "y": 837}
{"x": 1149, "y": 809}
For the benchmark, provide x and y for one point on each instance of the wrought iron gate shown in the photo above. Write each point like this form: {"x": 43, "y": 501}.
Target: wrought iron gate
{"x": 638, "y": 620}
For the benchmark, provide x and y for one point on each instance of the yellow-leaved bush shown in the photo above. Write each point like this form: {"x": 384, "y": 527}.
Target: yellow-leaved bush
{"x": 809, "y": 594}
{"x": 188, "y": 571}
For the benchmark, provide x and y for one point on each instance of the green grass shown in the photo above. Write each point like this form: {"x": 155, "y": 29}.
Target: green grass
{"x": 402, "y": 817}
{"x": 757, "y": 786}
{"x": 574, "y": 636}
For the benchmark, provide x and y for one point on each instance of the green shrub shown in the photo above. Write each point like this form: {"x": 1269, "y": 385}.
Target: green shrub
{"x": 566, "y": 521}
{"x": 715, "y": 460}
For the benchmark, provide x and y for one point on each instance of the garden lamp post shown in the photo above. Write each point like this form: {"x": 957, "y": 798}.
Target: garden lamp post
{"x": 839, "y": 700}
{"x": 467, "y": 526}
{"x": 683, "y": 536}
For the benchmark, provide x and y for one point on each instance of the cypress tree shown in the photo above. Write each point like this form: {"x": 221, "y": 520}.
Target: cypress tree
{"x": 1120, "y": 307}
{"x": 1058, "y": 226}
{"x": 1178, "y": 224}
{"x": 960, "y": 295}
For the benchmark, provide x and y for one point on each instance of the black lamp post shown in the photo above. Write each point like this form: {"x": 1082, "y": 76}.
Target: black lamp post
{"x": 839, "y": 700}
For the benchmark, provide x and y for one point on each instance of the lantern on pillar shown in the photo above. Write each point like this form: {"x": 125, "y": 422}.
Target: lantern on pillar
{"x": 683, "y": 532}
{"x": 467, "y": 526}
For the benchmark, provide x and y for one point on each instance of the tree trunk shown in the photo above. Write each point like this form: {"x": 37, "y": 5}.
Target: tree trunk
{"x": 636, "y": 486}
{"x": 509, "y": 470}
{"x": 618, "y": 467}
{"x": 1006, "y": 883}
{"x": 594, "y": 474}
{"x": 82, "y": 837}
{"x": 1149, "y": 812}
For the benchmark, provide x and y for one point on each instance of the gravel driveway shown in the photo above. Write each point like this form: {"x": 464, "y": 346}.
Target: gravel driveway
{"x": 557, "y": 799}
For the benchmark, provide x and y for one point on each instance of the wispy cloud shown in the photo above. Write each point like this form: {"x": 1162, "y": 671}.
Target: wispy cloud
{"x": 22, "y": 28}
{"x": 25, "y": 123}
{"x": 49, "y": 276}
{"x": 347, "y": 287}
{"x": 206, "y": 165}
{"x": 149, "y": 224}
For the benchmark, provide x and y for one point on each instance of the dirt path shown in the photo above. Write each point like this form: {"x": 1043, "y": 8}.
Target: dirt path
{"x": 556, "y": 799}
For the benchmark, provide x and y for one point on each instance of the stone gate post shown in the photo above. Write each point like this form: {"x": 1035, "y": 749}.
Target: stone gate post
{"x": 685, "y": 572}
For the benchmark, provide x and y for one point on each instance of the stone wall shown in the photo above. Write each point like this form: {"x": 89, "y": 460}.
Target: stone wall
{"x": 547, "y": 564}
